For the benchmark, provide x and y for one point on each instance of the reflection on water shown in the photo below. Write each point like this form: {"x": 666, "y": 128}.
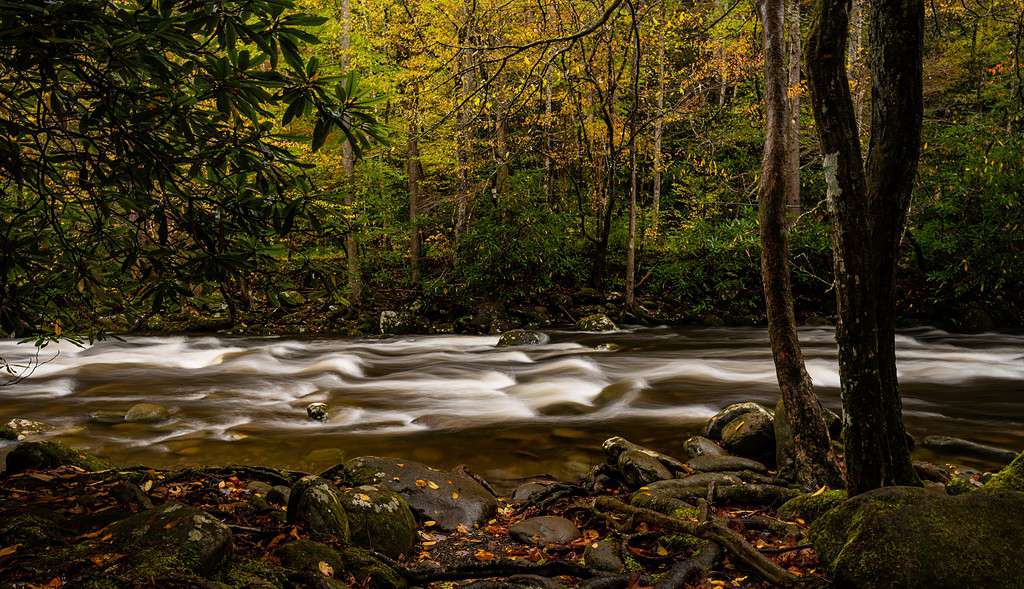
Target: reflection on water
{"x": 505, "y": 412}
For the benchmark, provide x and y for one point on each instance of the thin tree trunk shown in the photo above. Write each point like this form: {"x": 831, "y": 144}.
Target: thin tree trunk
{"x": 634, "y": 113}
{"x": 500, "y": 145}
{"x": 414, "y": 170}
{"x": 659, "y": 127}
{"x": 876, "y": 449}
{"x": 855, "y": 60}
{"x": 792, "y": 24}
{"x": 548, "y": 162}
{"x": 355, "y": 281}
{"x": 467, "y": 80}
{"x": 812, "y": 450}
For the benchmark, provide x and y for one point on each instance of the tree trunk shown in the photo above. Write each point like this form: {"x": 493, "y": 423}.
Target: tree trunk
{"x": 855, "y": 60}
{"x": 548, "y": 162}
{"x": 876, "y": 450}
{"x": 792, "y": 24}
{"x": 659, "y": 127}
{"x": 634, "y": 114}
{"x": 415, "y": 171}
{"x": 465, "y": 118}
{"x": 355, "y": 281}
{"x": 813, "y": 457}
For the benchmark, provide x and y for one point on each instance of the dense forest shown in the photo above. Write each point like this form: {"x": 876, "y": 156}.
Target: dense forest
{"x": 513, "y": 163}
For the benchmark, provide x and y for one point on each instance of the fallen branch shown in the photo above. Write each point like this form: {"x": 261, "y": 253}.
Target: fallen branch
{"x": 713, "y": 530}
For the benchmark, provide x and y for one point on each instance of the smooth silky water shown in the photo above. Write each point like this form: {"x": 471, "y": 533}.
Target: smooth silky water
{"x": 448, "y": 400}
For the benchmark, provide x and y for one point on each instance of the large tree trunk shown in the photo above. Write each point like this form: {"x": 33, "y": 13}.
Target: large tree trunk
{"x": 813, "y": 458}
{"x": 793, "y": 47}
{"x": 876, "y": 449}
{"x": 355, "y": 281}
{"x": 414, "y": 169}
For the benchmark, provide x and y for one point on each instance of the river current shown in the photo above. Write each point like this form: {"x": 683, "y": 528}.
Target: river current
{"x": 448, "y": 400}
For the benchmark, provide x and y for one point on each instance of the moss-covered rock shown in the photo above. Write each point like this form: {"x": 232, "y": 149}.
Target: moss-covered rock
{"x": 306, "y": 555}
{"x": 48, "y": 454}
{"x": 811, "y": 506}
{"x": 19, "y": 429}
{"x": 379, "y": 519}
{"x": 30, "y": 531}
{"x": 910, "y": 538}
{"x": 1010, "y": 478}
{"x": 245, "y": 573}
{"x": 315, "y": 504}
{"x": 370, "y": 572}
{"x": 596, "y": 322}
{"x": 521, "y": 337}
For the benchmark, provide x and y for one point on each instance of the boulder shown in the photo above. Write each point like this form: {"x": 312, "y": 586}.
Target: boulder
{"x": 146, "y": 413}
{"x": 718, "y": 421}
{"x": 396, "y": 322}
{"x": 522, "y": 337}
{"x": 725, "y": 463}
{"x": 19, "y": 429}
{"x": 173, "y": 539}
{"x": 596, "y": 322}
{"x": 910, "y": 538}
{"x": 616, "y": 446}
{"x": 46, "y": 455}
{"x": 947, "y": 444}
{"x": 810, "y": 506}
{"x": 1010, "y": 478}
{"x": 695, "y": 446}
{"x": 526, "y": 491}
{"x": 751, "y": 435}
{"x": 315, "y": 504}
{"x": 379, "y": 519}
{"x": 544, "y": 530}
{"x": 318, "y": 411}
{"x": 639, "y": 468}
{"x": 448, "y": 498}
{"x": 604, "y": 555}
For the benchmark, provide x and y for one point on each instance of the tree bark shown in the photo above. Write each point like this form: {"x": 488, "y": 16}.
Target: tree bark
{"x": 465, "y": 116}
{"x": 793, "y": 50}
{"x": 355, "y": 281}
{"x": 864, "y": 225}
{"x": 813, "y": 457}
{"x": 414, "y": 169}
{"x": 659, "y": 127}
{"x": 634, "y": 114}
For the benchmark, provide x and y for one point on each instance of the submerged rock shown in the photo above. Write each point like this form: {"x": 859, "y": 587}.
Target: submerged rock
{"x": 448, "y": 498}
{"x": 695, "y": 446}
{"x": 146, "y": 413}
{"x": 316, "y": 504}
{"x": 19, "y": 429}
{"x": 596, "y": 322}
{"x": 911, "y": 538}
{"x": 522, "y": 337}
{"x": 46, "y": 455}
{"x": 968, "y": 448}
{"x": 173, "y": 539}
{"x": 318, "y": 411}
{"x": 379, "y": 519}
{"x": 718, "y": 421}
{"x": 107, "y": 417}
{"x": 543, "y": 530}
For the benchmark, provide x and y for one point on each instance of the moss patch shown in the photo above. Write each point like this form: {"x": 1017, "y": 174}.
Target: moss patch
{"x": 810, "y": 506}
{"x": 1010, "y": 478}
{"x": 46, "y": 455}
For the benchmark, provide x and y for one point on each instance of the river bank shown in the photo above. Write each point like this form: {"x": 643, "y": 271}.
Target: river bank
{"x": 717, "y": 514}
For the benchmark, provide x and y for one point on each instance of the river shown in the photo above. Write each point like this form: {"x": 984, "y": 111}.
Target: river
{"x": 448, "y": 400}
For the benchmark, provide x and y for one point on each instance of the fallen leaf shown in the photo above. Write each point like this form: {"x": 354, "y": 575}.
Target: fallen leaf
{"x": 9, "y": 550}
{"x": 430, "y": 523}
{"x": 146, "y": 486}
{"x": 326, "y": 569}
{"x": 421, "y": 483}
{"x": 455, "y": 495}
{"x": 483, "y": 555}
{"x": 362, "y": 497}
{"x": 433, "y": 485}
{"x": 819, "y": 491}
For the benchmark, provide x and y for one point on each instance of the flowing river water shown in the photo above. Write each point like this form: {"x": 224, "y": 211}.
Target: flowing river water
{"x": 448, "y": 400}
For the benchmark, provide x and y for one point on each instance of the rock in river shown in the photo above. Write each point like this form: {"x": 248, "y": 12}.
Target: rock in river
{"x": 908, "y": 537}
{"x": 522, "y": 337}
{"x": 146, "y": 413}
{"x": 45, "y": 455}
{"x": 379, "y": 519}
{"x": 752, "y": 435}
{"x": 318, "y": 411}
{"x": 726, "y": 416}
{"x": 19, "y": 429}
{"x": 316, "y": 504}
{"x": 448, "y": 498}
{"x": 596, "y": 322}
{"x": 543, "y": 530}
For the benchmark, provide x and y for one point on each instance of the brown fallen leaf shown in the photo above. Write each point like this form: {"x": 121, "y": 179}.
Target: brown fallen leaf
{"x": 9, "y": 550}
{"x": 326, "y": 569}
{"x": 483, "y": 555}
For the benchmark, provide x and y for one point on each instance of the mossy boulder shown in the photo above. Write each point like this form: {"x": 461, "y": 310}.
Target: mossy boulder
{"x": 811, "y": 506}
{"x": 369, "y": 571}
{"x": 146, "y": 413}
{"x": 1010, "y": 478}
{"x": 315, "y": 504}
{"x": 30, "y": 530}
{"x": 910, "y": 538}
{"x": 522, "y": 337}
{"x": 379, "y": 519}
{"x": 596, "y": 322}
{"x": 448, "y": 498}
{"x": 173, "y": 539}
{"x": 48, "y": 454}
{"x": 306, "y": 556}
{"x": 252, "y": 573}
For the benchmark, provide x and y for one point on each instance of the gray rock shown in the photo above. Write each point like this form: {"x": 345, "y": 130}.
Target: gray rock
{"x": 525, "y": 491}
{"x": 318, "y": 411}
{"x": 146, "y": 413}
{"x": 596, "y": 322}
{"x": 544, "y": 530}
{"x": 448, "y": 498}
{"x": 604, "y": 555}
{"x": 315, "y": 504}
{"x": 718, "y": 421}
{"x": 911, "y": 538}
{"x": 695, "y": 446}
{"x": 522, "y": 337}
{"x": 751, "y": 435}
{"x": 279, "y": 495}
{"x": 947, "y": 444}
{"x": 379, "y": 519}
{"x": 639, "y": 468}
{"x": 616, "y": 446}
{"x": 174, "y": 539}
{"x": 724, "y": 463}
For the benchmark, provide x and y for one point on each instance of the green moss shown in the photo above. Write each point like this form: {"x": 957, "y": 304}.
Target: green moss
{"x": 679, "y": 542}
{"x": 49, "y": 454}
{"x": 811, "y": 506}
{"x": 959, "y": 486}
{"x": 249, "y": 572}
{"x": 370, "y": 572}
{"x": 1010, "y": 478}
{"x": 306, "y": 555}
{"x": 685, "y": 513}
{"x": 7, "y": 433}
{"x": 632, "y": 565}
